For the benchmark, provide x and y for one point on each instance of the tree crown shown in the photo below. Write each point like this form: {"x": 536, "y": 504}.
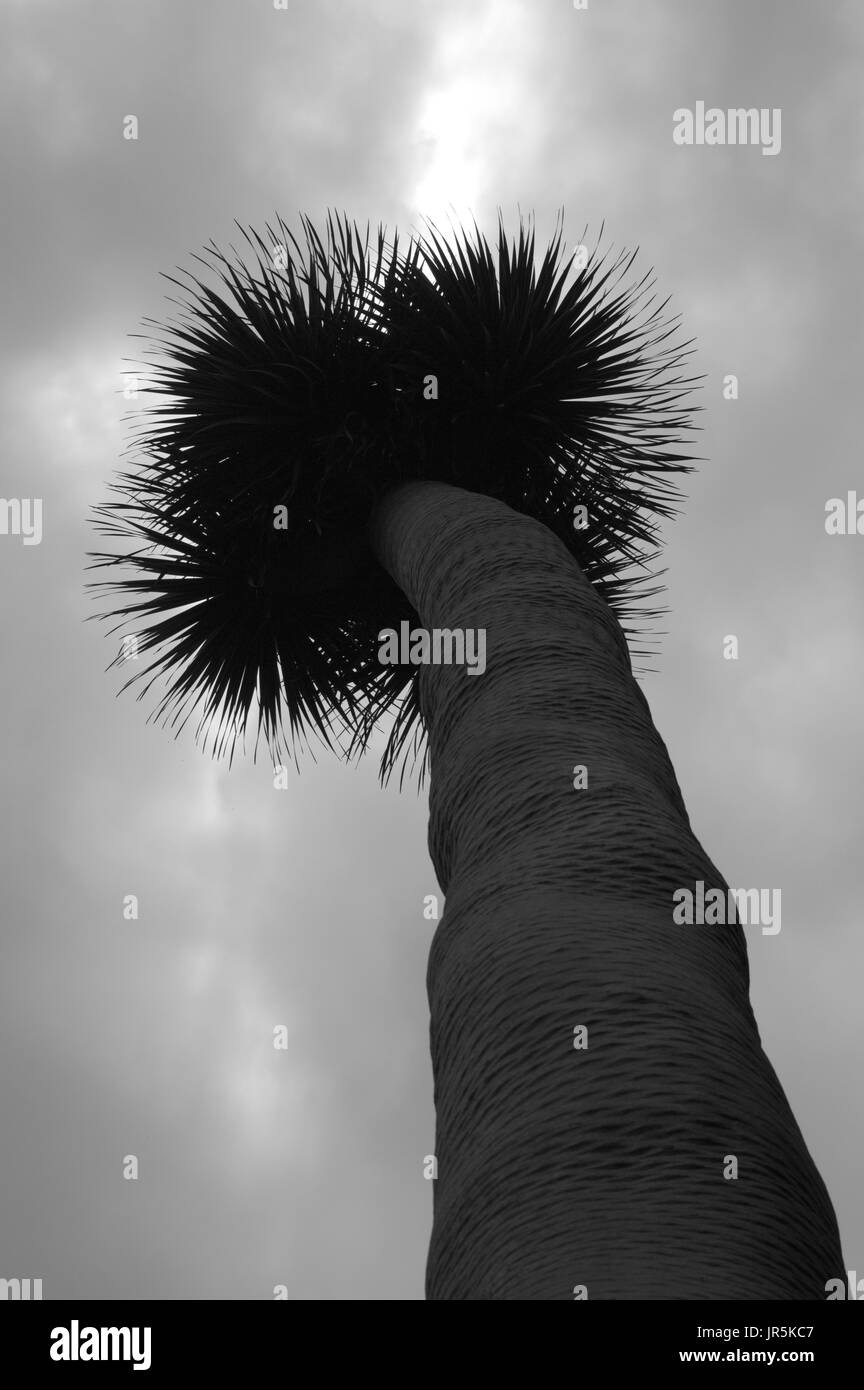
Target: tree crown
{"x": 315, "y": 375}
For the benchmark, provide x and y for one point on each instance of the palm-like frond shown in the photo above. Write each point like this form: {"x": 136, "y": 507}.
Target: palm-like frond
{"x": 297, "y": 382}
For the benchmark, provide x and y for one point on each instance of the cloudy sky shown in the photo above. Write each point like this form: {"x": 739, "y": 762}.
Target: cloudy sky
{"x": 303, "y": 907}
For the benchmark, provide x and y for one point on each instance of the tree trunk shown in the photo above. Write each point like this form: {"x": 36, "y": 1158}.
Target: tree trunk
{"x": 564, "y": 1168}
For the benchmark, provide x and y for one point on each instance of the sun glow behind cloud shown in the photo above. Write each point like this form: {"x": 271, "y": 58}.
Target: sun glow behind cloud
{"x": 475, "y": 110}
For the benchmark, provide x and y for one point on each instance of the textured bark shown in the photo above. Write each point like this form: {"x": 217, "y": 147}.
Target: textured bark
{"x": 601, "y": 1167}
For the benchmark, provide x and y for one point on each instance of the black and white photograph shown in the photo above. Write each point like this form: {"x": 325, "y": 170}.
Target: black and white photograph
{"x": 432, "y": 552}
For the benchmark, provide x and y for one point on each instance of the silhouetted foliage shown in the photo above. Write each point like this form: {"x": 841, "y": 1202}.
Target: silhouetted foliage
{"x": 297, "y": 380}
